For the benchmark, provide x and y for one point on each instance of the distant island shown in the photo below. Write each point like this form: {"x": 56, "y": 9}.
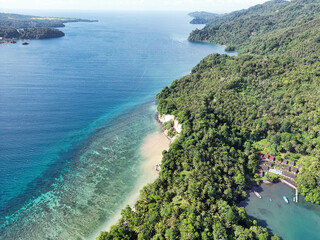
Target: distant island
{"x": 17, "y": 26}
{"x": 203, "y": 17}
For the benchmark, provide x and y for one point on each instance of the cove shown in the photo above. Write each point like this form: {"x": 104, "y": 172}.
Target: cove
{"x": 293, "y": 221}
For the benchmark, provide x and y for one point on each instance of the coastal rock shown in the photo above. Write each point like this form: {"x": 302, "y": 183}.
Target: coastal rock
{"x": 167, "y": 117}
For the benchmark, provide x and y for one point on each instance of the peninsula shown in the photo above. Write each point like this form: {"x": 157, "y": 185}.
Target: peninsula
{"x": 17, "y": 26}
{"x": 265, "y": 100}
{"x": 203, "y": 17}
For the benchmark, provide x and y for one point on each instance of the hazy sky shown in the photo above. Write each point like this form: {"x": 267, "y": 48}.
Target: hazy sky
{"x": 176, "y": 5}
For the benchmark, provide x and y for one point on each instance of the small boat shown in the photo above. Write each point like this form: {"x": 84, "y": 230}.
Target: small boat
{"x": 270, "y": 200}
{"x": 294, "y": 199}
{"x": 285, "y": 199}
{"x": 25, "y": 43}
{"x": 257, "y": 194}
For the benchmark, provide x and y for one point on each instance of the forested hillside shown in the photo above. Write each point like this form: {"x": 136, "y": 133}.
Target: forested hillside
{"x": 27, "y": 21}
{"x": 203, "y": 17}
{"x": 266, "y": 99}
{"x": 30, "y": 33}
{"x": 17, "y": 26}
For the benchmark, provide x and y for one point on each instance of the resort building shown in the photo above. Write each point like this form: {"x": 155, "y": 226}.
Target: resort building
{"x": 291, "y": 182}
{"x": 289, "y": 175}
{"x": 291, "y": 163}
{"x": 264, "y": 167}
{"x": 285, "y": 161}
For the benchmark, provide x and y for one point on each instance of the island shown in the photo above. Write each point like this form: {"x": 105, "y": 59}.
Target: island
{"x": 203, "y": 17}
{"x": 241, "y": 116}
{"x": 17, "y": 26}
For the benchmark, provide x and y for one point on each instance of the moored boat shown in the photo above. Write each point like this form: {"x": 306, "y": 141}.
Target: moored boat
{"x": 257, "y": 194}
{"x": 285, "y": 199}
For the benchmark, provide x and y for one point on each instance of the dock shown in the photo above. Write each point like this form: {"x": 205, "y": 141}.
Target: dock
{"x": 293, "y": 185}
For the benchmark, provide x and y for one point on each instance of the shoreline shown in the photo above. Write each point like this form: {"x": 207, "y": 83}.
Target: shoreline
{"x": 151, "y": 151}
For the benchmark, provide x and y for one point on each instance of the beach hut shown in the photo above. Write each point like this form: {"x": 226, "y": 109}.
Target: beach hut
{"x": 280, "y": 166}
{"x": 291, "y": 163}
{"x": 294, "y": 170}
{"x": 289, "y": 175}
{"x": 287, "y": 168}
{"x": 264, "y": 167}
{"x": 285, "y": 161}
{"x": 269, "y": 164}
{"x": 271, "y": 158}
{"x": 266, "y": 156}
{"x": 300, "y": 166}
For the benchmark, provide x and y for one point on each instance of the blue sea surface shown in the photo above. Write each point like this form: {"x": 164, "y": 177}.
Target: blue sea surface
{"x": 74, "y": 112}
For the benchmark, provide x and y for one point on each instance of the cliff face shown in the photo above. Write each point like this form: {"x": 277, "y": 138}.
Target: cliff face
{"x": 167, "y": 118}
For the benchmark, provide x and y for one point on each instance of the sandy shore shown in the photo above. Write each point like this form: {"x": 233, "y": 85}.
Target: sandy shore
{"x": 151, "y": 150}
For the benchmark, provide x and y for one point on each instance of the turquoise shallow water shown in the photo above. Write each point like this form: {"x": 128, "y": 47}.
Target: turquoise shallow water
{"x": 74, "y": 112}
{"x": 293, "y": 221}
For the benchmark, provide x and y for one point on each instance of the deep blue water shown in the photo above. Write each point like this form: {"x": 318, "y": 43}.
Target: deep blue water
{"x": 73, "y": 114}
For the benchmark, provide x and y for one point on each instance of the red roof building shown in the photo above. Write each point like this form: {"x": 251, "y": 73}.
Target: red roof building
{"x": 271, "y": 158}
{"x": 260, "y": 172}
{"x": 266, "y": 156}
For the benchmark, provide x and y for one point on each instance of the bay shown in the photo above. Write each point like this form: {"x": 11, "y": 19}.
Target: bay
{"x": 293, "y": 221}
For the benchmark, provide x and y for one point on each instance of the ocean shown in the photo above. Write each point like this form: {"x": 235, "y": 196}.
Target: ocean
{"x": 73, "y": 115}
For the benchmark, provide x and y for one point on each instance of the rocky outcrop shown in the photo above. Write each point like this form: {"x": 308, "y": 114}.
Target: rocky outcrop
{"x": 167, "y": 118}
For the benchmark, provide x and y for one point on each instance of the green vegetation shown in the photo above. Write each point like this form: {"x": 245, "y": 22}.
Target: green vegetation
{"x": 266, "y": 99}
{"x": 168, "y": 125}
{"x": 40, "y": 33}
{"x": 33, "y": 27}
{"x": 30, "y": 33}
{"x": 271, "y": 177}
{"x": 25, "y": 21}
{"x": 9, "y": 32}
{"x": 203, "y": 17}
